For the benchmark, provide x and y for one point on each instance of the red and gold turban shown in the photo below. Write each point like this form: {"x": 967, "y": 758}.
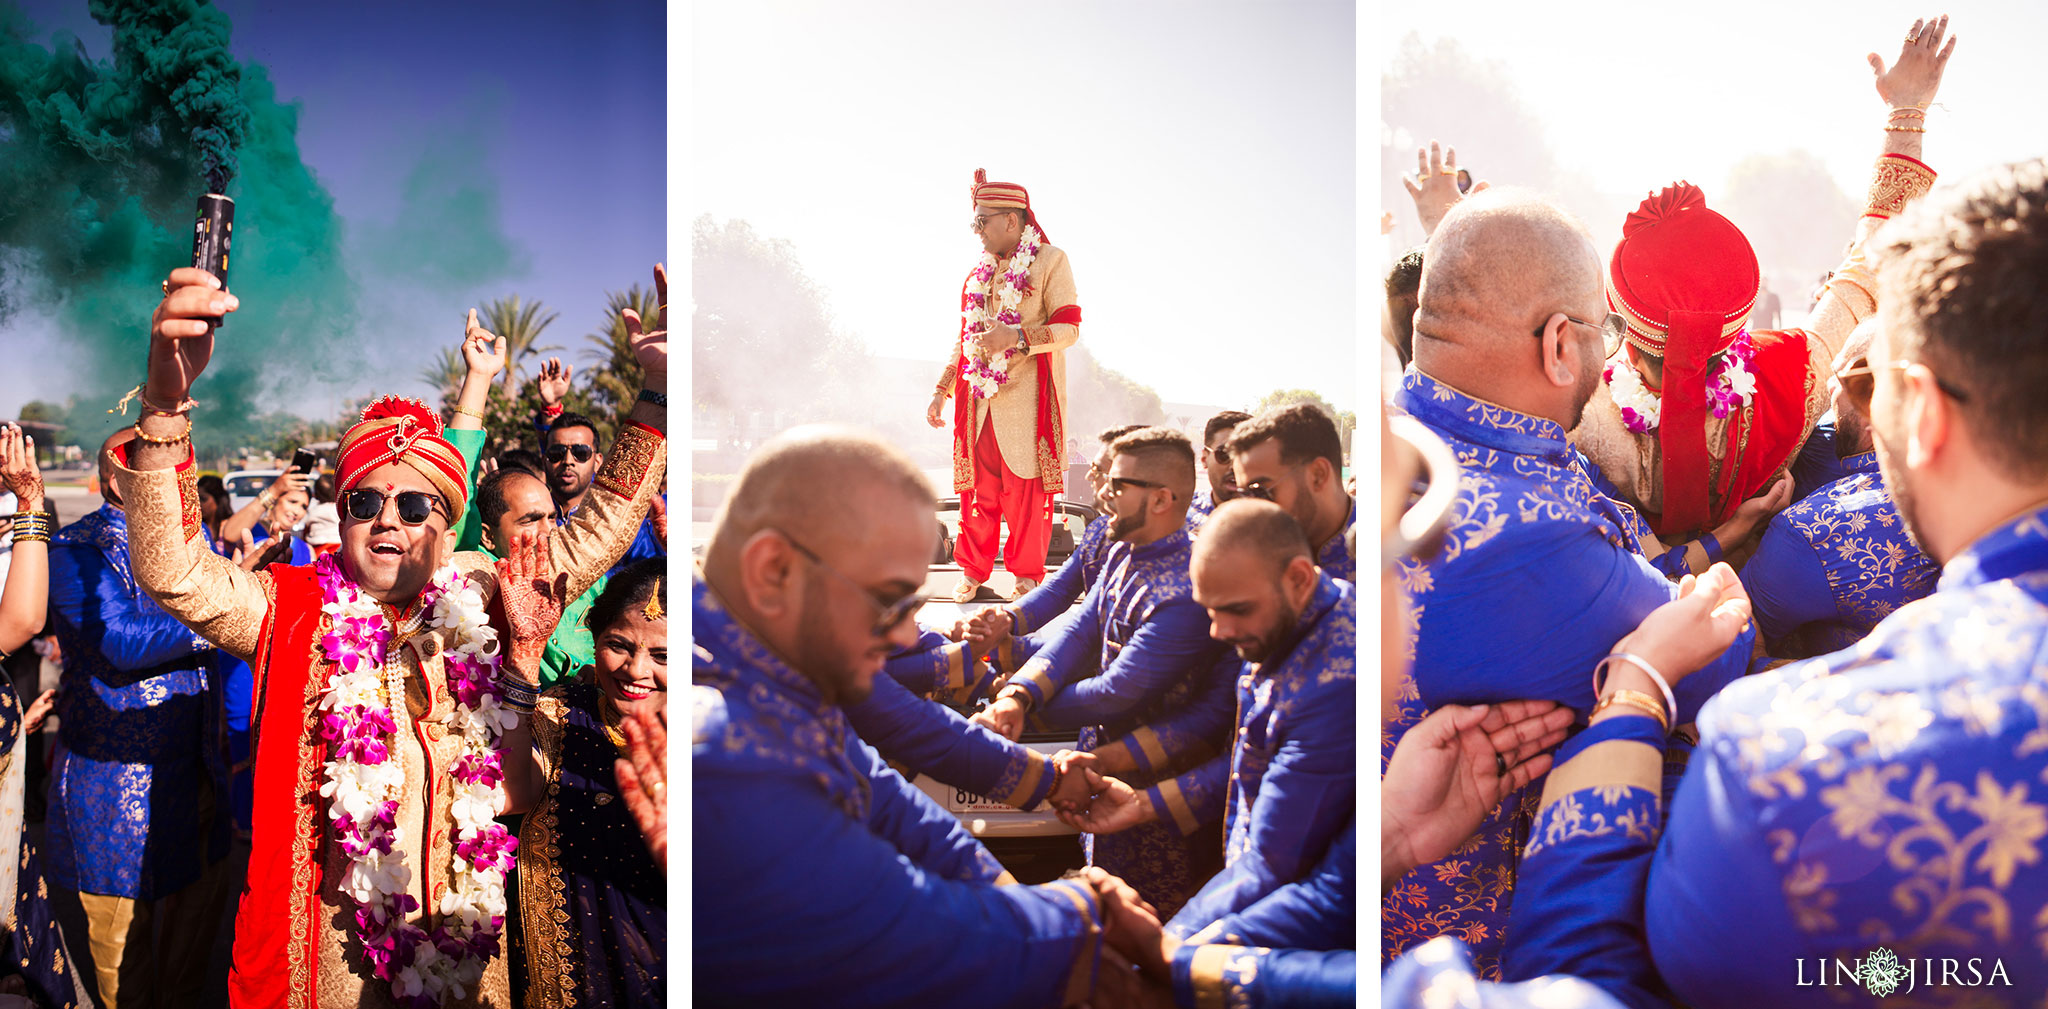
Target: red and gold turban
{"x": 1685, "y": 279}
{"x": 1004, "y": 196}
{"x": 396, "y": 429}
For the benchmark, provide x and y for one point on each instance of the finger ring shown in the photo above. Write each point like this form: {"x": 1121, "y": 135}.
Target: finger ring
{"x": 1500, "y": 765}
{"x": 167, "y": 287}
{"x": 1910, "y": 39}
{"x": 658, "y": 788}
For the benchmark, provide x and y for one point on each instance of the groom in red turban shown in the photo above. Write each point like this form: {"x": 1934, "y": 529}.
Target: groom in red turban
{"x": 1007, "y": 377}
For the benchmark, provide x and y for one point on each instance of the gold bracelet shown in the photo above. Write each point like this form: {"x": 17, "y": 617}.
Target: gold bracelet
{"x": 466, "y": 413}
{"x": 1640, "y": 701}
{"x": 1905, "y": 129}
{"x": 151, "y": 409}
{"x": 185, "y": 436}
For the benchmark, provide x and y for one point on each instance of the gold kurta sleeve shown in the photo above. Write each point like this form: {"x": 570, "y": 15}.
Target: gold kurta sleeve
{"x": 1852, "y": 292}
{"x": 948, "y": 378}
{"x": 205, "y": 591}
{"x": 1059, "y": 293}
{"x": 605, "y": 524}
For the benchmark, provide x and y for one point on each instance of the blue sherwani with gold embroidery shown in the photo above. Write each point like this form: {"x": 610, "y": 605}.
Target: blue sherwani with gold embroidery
{"x": 1539, "y": 576}
{"x": 1887, "y": 795}
{"x": 821, "y": 877}
{"x": 1833, "y": 565}
{"x": 1292, "y": 947}
{"x": 139, "y": 723}
{"x": 1288, "y": 785}
{"x": 1141, "y": 626}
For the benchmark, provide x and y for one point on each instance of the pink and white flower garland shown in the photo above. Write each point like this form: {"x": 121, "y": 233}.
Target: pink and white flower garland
{"x": 988, "y": 299}
{"x": 364, "y": 780}
{"x": 1731, "y": 384}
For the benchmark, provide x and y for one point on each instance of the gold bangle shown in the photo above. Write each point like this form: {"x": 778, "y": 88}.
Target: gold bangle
{"x": 1905, "y": 129}
{"x": 184, "y": 436}
{"x": 1640, "y": 701}
{"x": 466, "y": 413}
{"x": 150, "y": 409}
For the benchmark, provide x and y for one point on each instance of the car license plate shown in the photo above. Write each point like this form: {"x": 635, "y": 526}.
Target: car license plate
{"x": 962, "y": 801}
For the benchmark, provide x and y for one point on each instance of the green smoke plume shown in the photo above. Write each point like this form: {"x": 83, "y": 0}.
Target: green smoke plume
{"x": 102, "y": 162}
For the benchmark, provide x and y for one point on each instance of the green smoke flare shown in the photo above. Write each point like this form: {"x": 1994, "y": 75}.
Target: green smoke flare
{"x": 102, "y": 162}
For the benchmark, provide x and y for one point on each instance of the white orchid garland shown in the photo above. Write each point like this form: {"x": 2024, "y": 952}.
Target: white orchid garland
{"x": 1731, "y": 384}
{"x": 989, "y": 301}
{"x": 364, "y": 779}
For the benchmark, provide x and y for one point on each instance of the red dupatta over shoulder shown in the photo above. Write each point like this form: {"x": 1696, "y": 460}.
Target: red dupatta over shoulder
{"x": 278, "y": 923}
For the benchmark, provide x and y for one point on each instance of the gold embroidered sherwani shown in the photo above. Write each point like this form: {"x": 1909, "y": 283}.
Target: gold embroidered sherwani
{"x": 1015, "y": 406}
{"x": 230, "y": 607}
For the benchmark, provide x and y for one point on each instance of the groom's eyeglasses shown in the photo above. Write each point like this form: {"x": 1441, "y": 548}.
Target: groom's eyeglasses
{"x": 414, "y": 506}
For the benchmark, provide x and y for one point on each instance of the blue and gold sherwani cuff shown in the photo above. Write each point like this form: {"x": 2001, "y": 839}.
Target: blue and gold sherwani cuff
{"x": 1212, "y": 977}
{"x": 1602, "y": 811}
{"x": 1175, "y": 807}
{"x": 1036, "y": 679}
{"x": 962, "y": 678}
{"x": 1080, "y": 983}
{"x": 1026, "y": 781}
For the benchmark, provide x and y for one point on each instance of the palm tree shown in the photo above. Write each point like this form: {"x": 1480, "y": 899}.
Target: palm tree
{"x": 615, "y": 382}
{"x": 520, "y": 323}
{"x": 446, "y": 372}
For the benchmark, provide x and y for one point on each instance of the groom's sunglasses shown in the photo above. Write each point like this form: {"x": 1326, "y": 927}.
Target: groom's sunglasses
{"x": 414, "y": 506}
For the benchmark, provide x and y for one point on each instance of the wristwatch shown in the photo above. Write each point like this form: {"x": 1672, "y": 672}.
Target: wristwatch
{"x": 1023, "y": 340}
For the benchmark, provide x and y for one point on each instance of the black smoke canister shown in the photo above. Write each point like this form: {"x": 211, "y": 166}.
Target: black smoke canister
{"x": 212, "y": 233}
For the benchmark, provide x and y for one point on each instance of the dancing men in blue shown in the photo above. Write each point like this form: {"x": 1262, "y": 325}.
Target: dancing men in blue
{"x": 1833, "y": 565}
{"x": 1294, "y": 457}
{"x": 1539, "y": 572}
{"x": 822, "y": 877}
{"x": 138, "y": 796}
{"x": 1141, "y": 626}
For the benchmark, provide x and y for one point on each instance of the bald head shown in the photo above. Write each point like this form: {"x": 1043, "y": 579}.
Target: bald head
{"x": 1249, "y": 528}
{"x": 823, "y": 484}
{"x": 108, "y": 491}
{"x": 1502, "y": 277}
{"x": 1497, "y": 264}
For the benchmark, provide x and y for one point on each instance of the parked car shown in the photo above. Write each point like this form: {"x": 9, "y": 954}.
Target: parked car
{"x": 245, "y": 485}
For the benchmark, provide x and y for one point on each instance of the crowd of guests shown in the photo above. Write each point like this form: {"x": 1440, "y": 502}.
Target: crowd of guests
{"x": 1200, "y": 643}
{"x": 187, "y": 729}
{"x": 1714, "y": 654}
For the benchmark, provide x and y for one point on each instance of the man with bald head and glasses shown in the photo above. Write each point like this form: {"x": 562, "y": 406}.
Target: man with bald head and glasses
{"x": 822, "y": 876}
{"x": 1838, "y": 561}
{"x": 1540, "y": 572}
{"x": 1135, "y": 668}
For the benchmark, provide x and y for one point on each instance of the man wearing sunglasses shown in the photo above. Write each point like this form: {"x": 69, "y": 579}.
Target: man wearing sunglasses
{"x": 1216, "y": 464}
{"x": 572, "y": 457}
{"x": 1837, "y": 562}
{"x": 1008, "y": 462}
{"x": 821, "y": 876}
{"x": 404, "y": 487}
{"x": 1293, "y": 457}
{"x": 1142, "y": 629}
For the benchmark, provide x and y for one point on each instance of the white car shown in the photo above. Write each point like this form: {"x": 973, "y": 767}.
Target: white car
{"x": 245, "y": 485}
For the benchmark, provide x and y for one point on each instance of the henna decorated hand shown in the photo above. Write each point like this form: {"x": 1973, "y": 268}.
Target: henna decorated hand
{"x": 18, "y": 467}
{"x": 533, "y": 596}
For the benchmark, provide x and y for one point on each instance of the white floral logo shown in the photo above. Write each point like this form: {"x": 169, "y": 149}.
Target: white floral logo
{"x": 1881, "y": 972}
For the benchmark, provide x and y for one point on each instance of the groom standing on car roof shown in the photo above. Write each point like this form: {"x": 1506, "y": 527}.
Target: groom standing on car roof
{"x": 1008, "y": 380}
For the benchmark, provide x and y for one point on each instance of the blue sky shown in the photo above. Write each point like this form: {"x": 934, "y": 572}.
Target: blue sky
{"x": 560, "y": 108}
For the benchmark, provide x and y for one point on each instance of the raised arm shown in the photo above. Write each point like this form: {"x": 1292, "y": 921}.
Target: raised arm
{"x": 25, "y": 603}
{"x": 232, "y": 527}
{"x": 159, "y": 483}
{"x": 604, "y": 526}
{"x": 1907, "y": 89}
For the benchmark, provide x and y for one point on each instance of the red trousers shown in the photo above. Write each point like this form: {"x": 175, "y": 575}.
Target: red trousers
{"x": 1002, "y": 496}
